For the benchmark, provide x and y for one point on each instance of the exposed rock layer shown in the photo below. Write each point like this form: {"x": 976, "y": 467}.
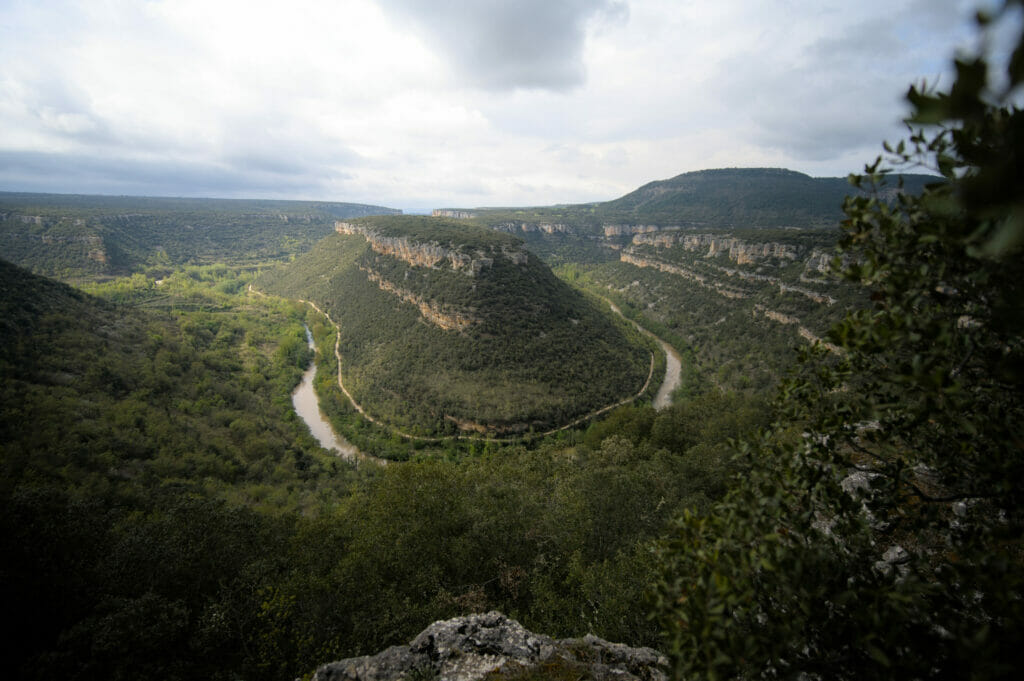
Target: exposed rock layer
{"x": 530, "y": 227}
{"x": 739, "y": 251}
{"x": 471, "y": 648}
{"x": 453, "y": 213}
{"x": 432, "y": 254}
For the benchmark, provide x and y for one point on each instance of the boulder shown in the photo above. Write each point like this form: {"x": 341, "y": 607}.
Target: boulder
{"x": 493, "y": 646}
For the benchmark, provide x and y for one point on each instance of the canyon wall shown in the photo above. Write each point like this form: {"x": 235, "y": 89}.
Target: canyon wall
{"x": 531, "y": 227}
{"x": 452, "y": 213}
{"x": 432, "y": 254}
{"x": 739, "y": 251}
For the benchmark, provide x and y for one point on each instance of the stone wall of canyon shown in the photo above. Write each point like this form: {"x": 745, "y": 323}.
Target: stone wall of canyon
{"x": 432, "y": 254}
{"x": 739, "y": 251}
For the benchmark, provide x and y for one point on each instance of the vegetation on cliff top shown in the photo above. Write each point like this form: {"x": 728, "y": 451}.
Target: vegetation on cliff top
{"x": 427, "y": 230}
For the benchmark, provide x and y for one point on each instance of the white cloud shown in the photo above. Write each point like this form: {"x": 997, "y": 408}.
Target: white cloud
{"x": 498, "y": 45}
{"x": 414, "y": 103}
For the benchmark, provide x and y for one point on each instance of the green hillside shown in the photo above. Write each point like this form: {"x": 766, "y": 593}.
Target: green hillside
{"x": 76, "y": 237}
{"x": 114, "y": 392}
{"x": 737, "y": 197}
{"x": 448, "y": 328}
{"x": 717, "y": 198}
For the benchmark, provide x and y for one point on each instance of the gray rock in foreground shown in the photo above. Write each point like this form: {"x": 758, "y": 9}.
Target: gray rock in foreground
{"x": 469, "y": 648}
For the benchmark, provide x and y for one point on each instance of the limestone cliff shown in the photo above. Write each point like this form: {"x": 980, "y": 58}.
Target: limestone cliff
{"x": 702, "y": 280}
{"x": 478, "y": 647}
{"x": 531, "y": 227}
{"x": 626, "y": 230}
{"x": 804, "y": 332}
{"x": 739, "y": 251}
{"x": 432, "y": 254}
{"x": 453, "y": 213}
{"x": 633, "y": 257}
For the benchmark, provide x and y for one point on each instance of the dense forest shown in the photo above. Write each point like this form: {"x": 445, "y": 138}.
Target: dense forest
{"x": 84, "y": 237}
{"x": 843, "y": 503}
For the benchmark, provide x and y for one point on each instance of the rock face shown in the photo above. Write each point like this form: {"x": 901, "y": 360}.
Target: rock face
{"x": 626, "y": 230}
{"x": 419, "y": 254}
{"x": 633, "y": 258}
{"x": 740, "y": 252}
{"x": 530, "y": 227}
{"x": 472, "y": 647}
{"x": 453, "y": 213}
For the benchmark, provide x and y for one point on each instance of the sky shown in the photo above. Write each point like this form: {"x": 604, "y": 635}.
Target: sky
{"x": 417, "y": 104}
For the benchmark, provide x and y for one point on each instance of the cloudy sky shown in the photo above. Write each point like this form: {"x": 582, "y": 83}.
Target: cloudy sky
{"x": 423, "y": 103}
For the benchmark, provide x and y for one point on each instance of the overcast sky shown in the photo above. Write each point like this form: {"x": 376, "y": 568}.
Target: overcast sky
{"x": 425, "y": 103}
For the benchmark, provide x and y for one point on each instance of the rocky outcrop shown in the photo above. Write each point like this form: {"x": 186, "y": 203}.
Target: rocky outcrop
{"x": 685, "y": 272}
{"x": 816, "y": 296}
{"x": 802, "y": 330}
{"x": 447, "y": 317}
{"x": 633, "y": 256}
{"x": 626, "y": 230}
{"x": 491, "y": 645}
{"x": 530, "y": 227}
{"x": 819, "y": 261}
{"x": 432, "y": 254}
{"x": 452, "y": 213}
{"x": 739, "y": 251}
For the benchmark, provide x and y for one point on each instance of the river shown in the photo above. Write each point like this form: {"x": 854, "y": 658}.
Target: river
{"x": 673, "y": 365}
{"x": 673, "y": 375}
{"x": 308, "y": 408}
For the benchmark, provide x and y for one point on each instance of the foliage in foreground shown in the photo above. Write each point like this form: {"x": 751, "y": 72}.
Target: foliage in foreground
{"x": 886, "y": 542}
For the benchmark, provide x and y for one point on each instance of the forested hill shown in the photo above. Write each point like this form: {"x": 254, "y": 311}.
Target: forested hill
{"x": 704, "y": 199}
{"x": 449, "y": 328}
{"x": 74, "y": 236}
{"x": 768, "y": 197}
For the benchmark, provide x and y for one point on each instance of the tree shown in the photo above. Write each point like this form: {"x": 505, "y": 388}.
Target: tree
{"x": 878, "y": 530}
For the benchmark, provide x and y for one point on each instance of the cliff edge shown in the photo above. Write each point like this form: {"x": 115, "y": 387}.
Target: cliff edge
{"x": 492, "y": 646}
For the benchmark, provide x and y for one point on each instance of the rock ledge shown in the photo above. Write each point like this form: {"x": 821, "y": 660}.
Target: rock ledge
{"x": 491, "y": 645}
